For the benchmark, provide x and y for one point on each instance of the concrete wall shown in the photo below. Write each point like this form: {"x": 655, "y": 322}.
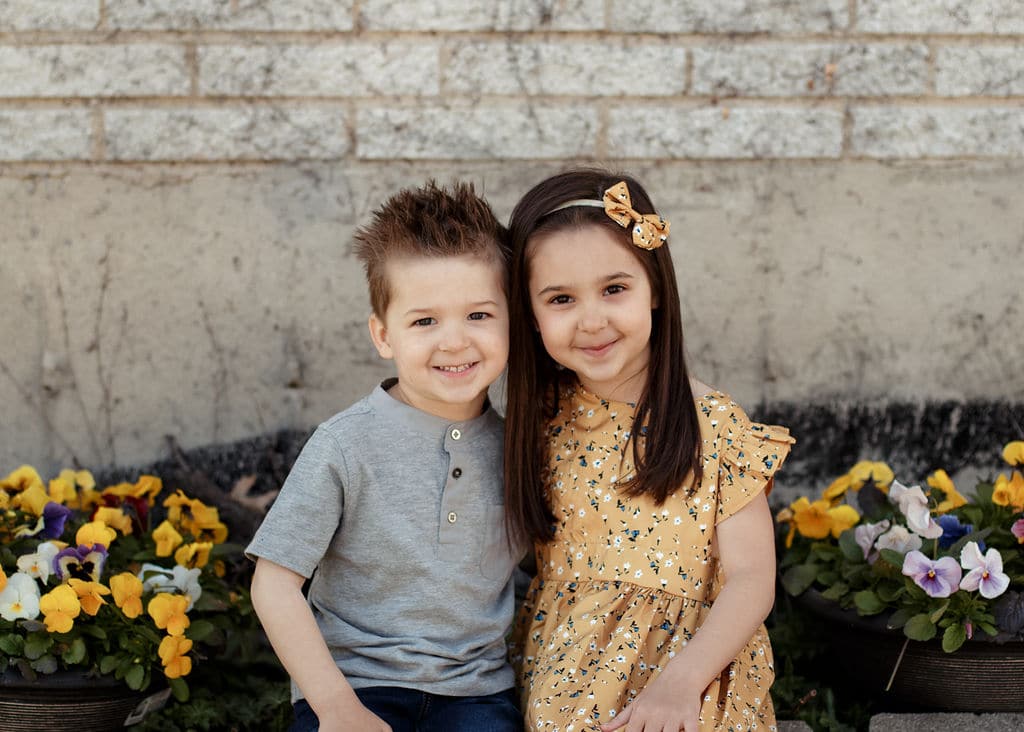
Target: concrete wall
{"x": 179, "y": 182}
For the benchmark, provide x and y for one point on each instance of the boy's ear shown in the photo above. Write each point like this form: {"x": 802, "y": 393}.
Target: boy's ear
{"x": 379, "y": 336}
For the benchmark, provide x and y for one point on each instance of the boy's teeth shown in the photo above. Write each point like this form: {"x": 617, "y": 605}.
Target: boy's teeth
{"x": 456, "y": 369}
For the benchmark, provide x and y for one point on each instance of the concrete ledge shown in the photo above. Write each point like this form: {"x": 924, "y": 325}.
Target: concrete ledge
{"x": 792, "y": 725}
{"x": 942, "y": 723}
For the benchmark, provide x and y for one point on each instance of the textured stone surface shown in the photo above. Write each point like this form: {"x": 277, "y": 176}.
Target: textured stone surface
{"x": 910, "y": 132}
{"x": 246, "y": 133}
{"x": 995, "y": 70}
{"x": 467, "y": 133}
{"x": 785, "y": 69}
{"x": 19, "y": 15}
{"x": 271, "y": 15}
{"x": 346, "y": 69}
{"x": 947, "y": 723}
{"x": 940, "y": 16}
{"x": 586, "y": 69}
{"x": 648, "y": 131}
{"x": 93, "y": 71}
{"x": 217, "y": 302}
{"x": 458, "y": 15}
{"x": 790, "y": 725}
{"x": 45, "y": 134}
{"x": 730, "y": 16}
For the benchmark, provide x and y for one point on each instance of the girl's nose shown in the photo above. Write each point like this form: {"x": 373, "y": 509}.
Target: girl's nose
{"x": 592, "y": 321}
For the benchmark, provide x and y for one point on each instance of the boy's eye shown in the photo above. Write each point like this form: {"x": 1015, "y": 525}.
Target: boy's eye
{"x": 479, "y": 316}
{"x": 423, "y": 322}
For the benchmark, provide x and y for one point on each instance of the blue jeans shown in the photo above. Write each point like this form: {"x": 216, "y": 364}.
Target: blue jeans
{"x": 408, "y": 710}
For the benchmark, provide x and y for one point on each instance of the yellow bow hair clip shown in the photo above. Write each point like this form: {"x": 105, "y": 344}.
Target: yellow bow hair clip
{"x": 650, "y": 231}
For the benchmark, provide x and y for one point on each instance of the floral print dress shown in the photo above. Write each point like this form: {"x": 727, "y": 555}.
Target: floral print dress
{"x": 625, "y": 583}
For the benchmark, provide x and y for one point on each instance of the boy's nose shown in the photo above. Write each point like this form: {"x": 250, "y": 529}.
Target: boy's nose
{"x": 453, "y": 339}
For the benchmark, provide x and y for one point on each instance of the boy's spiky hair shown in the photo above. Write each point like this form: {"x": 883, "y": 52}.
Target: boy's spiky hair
{"x": 429, "y": 221}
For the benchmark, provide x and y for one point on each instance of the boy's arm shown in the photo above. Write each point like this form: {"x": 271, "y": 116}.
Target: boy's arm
{"x": 289, "y": 623}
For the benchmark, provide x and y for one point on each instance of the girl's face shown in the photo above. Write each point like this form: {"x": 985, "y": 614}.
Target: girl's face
{"x": 592, "y": 301}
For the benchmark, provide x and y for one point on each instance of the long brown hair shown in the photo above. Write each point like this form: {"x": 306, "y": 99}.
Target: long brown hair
{"x": 666, "y": 408}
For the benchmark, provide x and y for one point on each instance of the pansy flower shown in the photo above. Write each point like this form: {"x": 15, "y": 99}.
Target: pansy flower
{"x": 167, "y": 539}
{"x": 899, "y": 539}
{"x": 40, "y": 563}
{"x": 1009, "y": 491}
{"x": 51, "y": 522}
{"x": 985, "y": 573}
{"x": 95, "y": 532}
{"x": 865, "y": 536}
{"x": 869, "y": 470}
{"x": 196, "y": 554}
{"x": 21, "y": 479}
{"x": 168, "y": 611}
{"x": 172, "y": 655}
{"x": 1013, "y": 453}
{"x": 127, "y": 591}
{"x": 913, "y": 504}
{"x": 90, "y": 594}
{"x": 938, "y": 578}
{"x": 1018, "y": 530}
{"x": 81, "y": 562}
{"x": 19, "y": 598}
{"x": 60, "y": 607}
{"x": 175, "y": 580}
{"x": 952, "y": 530}
{"x": 941, "y": 481}
{"x": 115, "y": 518}
{"x": 31, "y": 500}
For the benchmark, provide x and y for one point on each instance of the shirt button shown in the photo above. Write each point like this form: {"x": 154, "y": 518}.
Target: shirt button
{"x": 452, "y": 517}
{"x": 457, "y": 473}
{"x": 456, "y": 433}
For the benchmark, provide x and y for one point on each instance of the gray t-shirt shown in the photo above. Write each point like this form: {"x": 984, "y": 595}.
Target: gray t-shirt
{"x": 398, "y": 516}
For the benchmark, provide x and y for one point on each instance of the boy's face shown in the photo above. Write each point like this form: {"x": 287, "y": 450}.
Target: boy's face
{"x": 446, "y": 328}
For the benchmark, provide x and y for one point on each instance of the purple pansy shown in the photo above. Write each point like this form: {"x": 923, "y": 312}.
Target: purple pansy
{"x": 82, "y": 562}
{"x": 952, "y": 530}
{"x": 54, "y": 517}
{"x": 984, "y": 572}
{"x": 939, "y": 577}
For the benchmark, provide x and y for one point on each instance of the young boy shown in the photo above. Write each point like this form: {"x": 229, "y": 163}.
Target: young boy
{"x": 395, "y": 506}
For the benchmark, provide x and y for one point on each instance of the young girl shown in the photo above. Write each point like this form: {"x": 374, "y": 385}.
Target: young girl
{"x": 643, "y": 490}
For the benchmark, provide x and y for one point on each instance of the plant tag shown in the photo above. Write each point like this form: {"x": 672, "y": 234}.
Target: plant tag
{"x": 150, "y": 704}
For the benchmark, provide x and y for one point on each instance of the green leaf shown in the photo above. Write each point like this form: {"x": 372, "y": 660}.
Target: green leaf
{"x": 934, "y": 617}
{"x": 893, "y": 558}
{"x": 849, "y": 547}
{"x": 135, "y": 676}
{"x": 45, "y": 664}
{"x": 954, "y": 637}
{"x": 179, "y": 688}
{"x": 74, "y": 653}
{"x": 836, "y": 591}
{"x": 36, "y": 645}
{"x": 920, "y": 628}
{"x": 108, "y": 664}
{"x": 12, "y": 645}
{"x": 868, "y": 603}
{"x": 827, "y": 577}
{"x": 899, "y": 618}
{"x": 797, "y": 579}
{"x": 889, "y": 592}
{"x": 988, "y": 628}
{"x": 200, "y": 630}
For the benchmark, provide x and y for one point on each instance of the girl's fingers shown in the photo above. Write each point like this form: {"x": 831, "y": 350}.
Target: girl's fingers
{"x": 620, "y": 721}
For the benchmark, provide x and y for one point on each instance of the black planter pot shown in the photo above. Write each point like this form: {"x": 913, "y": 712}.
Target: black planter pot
{"x": 984, "y": 675}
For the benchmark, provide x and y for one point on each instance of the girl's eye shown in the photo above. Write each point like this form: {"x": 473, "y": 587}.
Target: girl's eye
{"x": 614, "y": 289}
{"x": 479, "y": 316}
{"x": 423, "y": 322}
{"x": 560, "y": 300}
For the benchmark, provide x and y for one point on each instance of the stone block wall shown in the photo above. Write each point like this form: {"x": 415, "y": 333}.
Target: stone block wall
{"x": 179, "y": 181}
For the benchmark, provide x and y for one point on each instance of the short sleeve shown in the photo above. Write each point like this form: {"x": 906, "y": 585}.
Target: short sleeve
{"x": 304, "y": 517}
{"x": 750, "y": 454}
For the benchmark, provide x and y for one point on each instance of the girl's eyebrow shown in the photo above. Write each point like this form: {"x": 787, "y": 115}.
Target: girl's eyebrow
{"x": 608, "y": 278}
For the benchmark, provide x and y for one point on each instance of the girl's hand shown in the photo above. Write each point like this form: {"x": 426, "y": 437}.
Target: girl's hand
{"x": 663, "y": 706}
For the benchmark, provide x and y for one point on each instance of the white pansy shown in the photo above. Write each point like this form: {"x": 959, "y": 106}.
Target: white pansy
{"x": 20, "y": 598}
{"x": 39, "y": 564}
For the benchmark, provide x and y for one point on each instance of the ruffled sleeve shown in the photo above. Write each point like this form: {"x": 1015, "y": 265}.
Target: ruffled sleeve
{"x": 750, "y": 453}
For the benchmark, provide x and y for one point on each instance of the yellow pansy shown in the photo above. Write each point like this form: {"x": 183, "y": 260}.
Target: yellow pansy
{"x": 60, "y": 607}
{"x": 811, "y": 519}
{"x": 215, "y": 532}
{"x": 1013, "y": 453}
{"x": 90, "y": 594}
{"x": 21, "y": 479}
{"x": 843, "y": 517}
{"x": 147, "y": 486}
{"x": 168, "y": 611}
{"x": 838, "y": 488}
{"x": 196, "y": 554}
{"x": 61, "y": 491}
{"x": 1010, "y": 491}
{"x": 172, "y": 655}
{"x": 114, "y": 518}
{"x": 191, "y": 514}
{"x": 941, "y": 480}
{"x": 95, "y": 532}
{"x": 167, "y": 539}
{"x": 32, "y": 499}
{"x": 5, "y": 501}
{"x": 127, "y": 591}
{"x": 3, "y": 579}
{"x": 867, "y": 470}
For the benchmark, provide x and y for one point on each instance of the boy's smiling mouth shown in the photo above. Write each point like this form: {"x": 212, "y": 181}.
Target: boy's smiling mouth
{"x": 457, "y": 369}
